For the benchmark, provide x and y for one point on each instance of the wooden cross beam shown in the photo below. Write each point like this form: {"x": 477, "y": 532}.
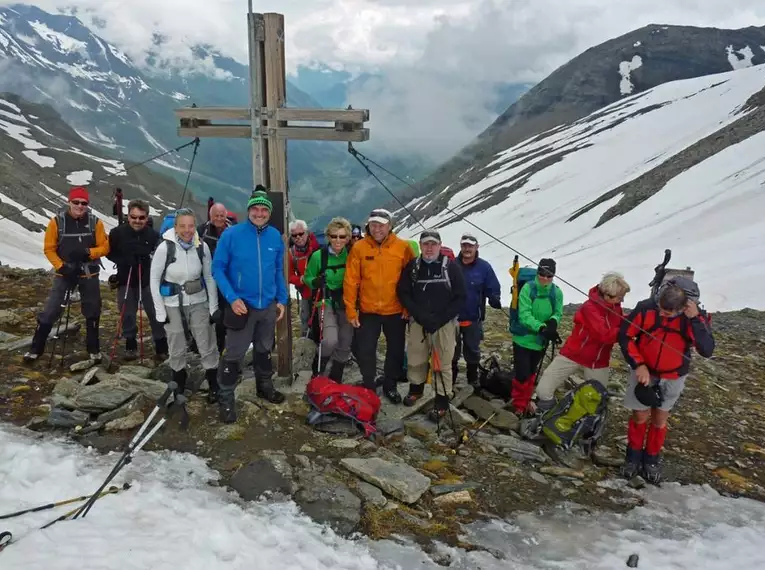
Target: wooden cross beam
{"x": 269, "y": 124}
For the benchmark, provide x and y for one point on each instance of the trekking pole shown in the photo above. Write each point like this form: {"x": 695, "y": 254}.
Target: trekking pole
{"x": 122, "y": 316}
{"x": 437, "y": 369}
{"x": 465, "y": 438}
{"x": 136, "y": 443}
{"x": 140, "y": 311}
{"x": 66, "y": 324}
{"x": 58, "y": 325}
{"x": 321, "y": 324}
{"x": 112, "y": 489}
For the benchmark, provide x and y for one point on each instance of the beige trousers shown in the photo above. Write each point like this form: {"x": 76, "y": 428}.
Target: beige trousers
{"x": 419, "y": 351}
{"x": 560, "y": 369}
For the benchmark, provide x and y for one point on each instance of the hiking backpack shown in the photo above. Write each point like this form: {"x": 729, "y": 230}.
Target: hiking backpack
{"x": 171, "y": 258}
{"x": 525, "y": 276}
{"x": 444, "y": 272}
{"x": 330, "y": 400}
{"x": 579, "y": 418}
{"x": 493, "y": 379}
{"x": 167, "y": 222}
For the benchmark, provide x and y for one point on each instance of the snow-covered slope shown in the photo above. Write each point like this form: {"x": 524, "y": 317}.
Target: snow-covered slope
{"x": 40, "y": 159}
{"x": 549, "y": 195}
{"x": 171, "y": 518}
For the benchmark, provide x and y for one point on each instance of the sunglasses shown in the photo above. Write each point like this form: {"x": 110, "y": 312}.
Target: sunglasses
{"x": 78, "y": 203}
{"x": 301, "y": 234}
{"x": 139, "y": 218}
{"x": 337, "y": 236}
{"x": 545, "y": 274}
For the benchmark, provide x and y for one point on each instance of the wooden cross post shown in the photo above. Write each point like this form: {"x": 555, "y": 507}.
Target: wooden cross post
{"x": 269, "y": 124}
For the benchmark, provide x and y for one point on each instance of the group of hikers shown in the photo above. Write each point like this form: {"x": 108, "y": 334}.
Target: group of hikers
{"x": 222, "y": 284}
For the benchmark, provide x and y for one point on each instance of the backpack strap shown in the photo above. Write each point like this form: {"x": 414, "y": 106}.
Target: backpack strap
{"x": 324, "y": 260}
{"x": 170, "y": 258}
{"x": 445, "y": 272}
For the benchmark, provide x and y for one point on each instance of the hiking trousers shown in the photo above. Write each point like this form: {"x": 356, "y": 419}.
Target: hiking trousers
{"x": 556, "y": 374}
{"x": 90, "y": 298}
{"x": 421, "y": 347}
{"x": 304, "y": 309}
{"x": 258, "y": 330}
{"x": 129, "y": 321}
{"x": 337, "y": 334}
{"x": 198, "y": 321}
{"x": 368, "y": 334}
{"x": 468, "y": 344}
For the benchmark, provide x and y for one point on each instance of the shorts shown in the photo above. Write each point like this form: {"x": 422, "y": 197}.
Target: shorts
{"x": 670, "y": 391}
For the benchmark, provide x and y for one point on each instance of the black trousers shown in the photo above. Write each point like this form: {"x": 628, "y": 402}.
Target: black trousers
{"x": 468, "y": 344}
{"x": 526, "y": 362}
{"x": 367, "y": 335}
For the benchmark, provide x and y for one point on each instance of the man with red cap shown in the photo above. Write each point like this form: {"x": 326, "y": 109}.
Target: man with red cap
{"x": 75, "y": 240}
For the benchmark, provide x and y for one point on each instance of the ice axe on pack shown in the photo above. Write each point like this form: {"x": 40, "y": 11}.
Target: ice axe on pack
{"x": 659, "y": 272}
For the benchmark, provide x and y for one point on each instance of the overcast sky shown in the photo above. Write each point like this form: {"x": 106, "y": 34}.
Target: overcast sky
{"x": 433, "y": 47}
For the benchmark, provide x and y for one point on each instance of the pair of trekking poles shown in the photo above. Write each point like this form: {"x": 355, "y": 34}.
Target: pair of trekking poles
{"x": 138, "y": 441}
{"x": 118, "y": 334}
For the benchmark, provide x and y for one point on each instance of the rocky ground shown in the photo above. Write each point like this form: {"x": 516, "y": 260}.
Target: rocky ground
{"x": 409, "y": 480}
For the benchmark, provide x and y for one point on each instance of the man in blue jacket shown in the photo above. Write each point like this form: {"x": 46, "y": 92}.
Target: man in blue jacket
{"x": 249, "y": 269}
{"x": 481, "y": 284}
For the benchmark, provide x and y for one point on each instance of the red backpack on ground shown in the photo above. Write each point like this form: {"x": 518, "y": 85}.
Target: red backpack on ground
{"x": 330, "y": 399}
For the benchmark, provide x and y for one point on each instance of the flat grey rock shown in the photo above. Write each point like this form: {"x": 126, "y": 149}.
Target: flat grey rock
{"x": 399, "y": 480}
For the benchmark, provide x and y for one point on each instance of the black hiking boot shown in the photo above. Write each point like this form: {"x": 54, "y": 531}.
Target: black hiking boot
{"x": 180, "y": 377}
{"x": 392, "y": 394}
{"x": 92, "y": 342}
{"x": 266, "y": 390}
{"x": 415, "y": 393}
{"x": 131, "y": 349}
{"x": 227, "y": 400}
{"x": 213, "y": 390}
{"x": 651, "y": 469}
{"x": 38, "y": 342}
{"x": 632, "y": 463}
{"x": 336, "y": 371}
{"x": 440, "y": 408}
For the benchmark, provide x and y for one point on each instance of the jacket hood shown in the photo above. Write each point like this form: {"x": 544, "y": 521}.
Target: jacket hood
{"x": 595, "y": 296}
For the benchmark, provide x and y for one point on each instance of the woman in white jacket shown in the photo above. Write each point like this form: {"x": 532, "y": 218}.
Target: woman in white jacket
{"x": 186, "y": 298}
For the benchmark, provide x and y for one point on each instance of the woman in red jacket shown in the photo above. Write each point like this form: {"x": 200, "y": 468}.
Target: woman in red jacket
{"x": 303, "y": 244}
{"x": 656, "y": 340}
{"x": 588, "y": 350}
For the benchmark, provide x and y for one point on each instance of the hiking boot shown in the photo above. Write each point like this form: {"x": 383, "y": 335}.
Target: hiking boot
{"x": 131, "y": 349}
{"x": 393, "y": 396}
{"x": 227, "y": 410}
{"x": 632, "y": 463}
{"x": 265, "y": 389}
{"x": 180, "y": 377}
{"x": 160, "y": 350}
{"x": 415, "y": 393}
{"x": 440, "y": 408}
{"x": 38, "y": 342}
{"x": 227, "y": 399}
{"x": 96, "y": 357}
{"x": 213, "y": 391}
{"x": 336, "y": 371}
{"x": 651, "y": 469}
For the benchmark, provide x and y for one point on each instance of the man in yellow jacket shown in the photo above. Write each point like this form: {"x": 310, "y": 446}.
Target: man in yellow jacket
{"x": 372, "y": 272}
{"x": 75, "y": 240}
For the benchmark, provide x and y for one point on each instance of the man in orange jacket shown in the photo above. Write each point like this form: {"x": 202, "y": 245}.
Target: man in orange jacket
{"x": 372, "y": 272}
{"x": 75, "y": 240}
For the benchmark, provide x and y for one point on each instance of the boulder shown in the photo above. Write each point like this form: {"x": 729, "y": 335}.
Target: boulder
{"x": 9, "y": 318}
{"x": 399, "y": 480}
{"x": 139, "y": 371}
{"x": 83, "y": 365}
{"x": 137, "y": 403}
{"x": 328, "y": 501}
{"x": 62, "y": 418}
{"x": 132, "y": 420}
{"x": 267, "y": 474}
{"x": 371, "y": 494}
{"x": 303, "y": 352}
{"x": 501, "y": 419}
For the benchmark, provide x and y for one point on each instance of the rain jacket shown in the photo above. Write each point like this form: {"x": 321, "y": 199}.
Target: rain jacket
{"x": 372, "y": 273}
{"x": 534, "y": 314}
{"x": 595, "y": 332}
{"x": 334, "y": 273}
{"x": 482, "y": 284}
{"x": 297, "y": 264}
{"x": 249, "y": 265}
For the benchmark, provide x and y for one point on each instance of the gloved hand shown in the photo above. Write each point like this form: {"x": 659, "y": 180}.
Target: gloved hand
{"x": 216, "y": 317}
{"x": 79, "y": 255}
{"x": 548, "y": 334}
{"x": 552, "y": 324}
{"x": 495, "y": 303}
{"x": 69, "y": 269}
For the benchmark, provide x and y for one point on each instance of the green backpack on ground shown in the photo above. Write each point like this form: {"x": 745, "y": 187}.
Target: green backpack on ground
{"x": 579, "y": 418}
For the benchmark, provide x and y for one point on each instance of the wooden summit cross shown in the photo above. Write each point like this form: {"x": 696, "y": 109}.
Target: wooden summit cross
{"x": 267, "y": 122}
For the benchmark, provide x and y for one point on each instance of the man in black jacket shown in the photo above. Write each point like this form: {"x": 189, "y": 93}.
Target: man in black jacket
{"x": 210, "y": 233}
{"x": 131, "y": 246}
{"x": 432, "y": 289}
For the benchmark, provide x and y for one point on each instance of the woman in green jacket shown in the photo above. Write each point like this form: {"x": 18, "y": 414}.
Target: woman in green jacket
{"x": 324, "y": 274}
{"x": 540, "y": 307}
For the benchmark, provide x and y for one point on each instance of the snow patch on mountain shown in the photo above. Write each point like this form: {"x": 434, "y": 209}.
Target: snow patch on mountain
{"x": 625, "y": 69}
{"x": 742, "y": 62}
{"x": 43, "y": 161}
{"x": 80, "y": 178}
{"x": 63, "y": 42}
{"x": 708, "y": 215}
